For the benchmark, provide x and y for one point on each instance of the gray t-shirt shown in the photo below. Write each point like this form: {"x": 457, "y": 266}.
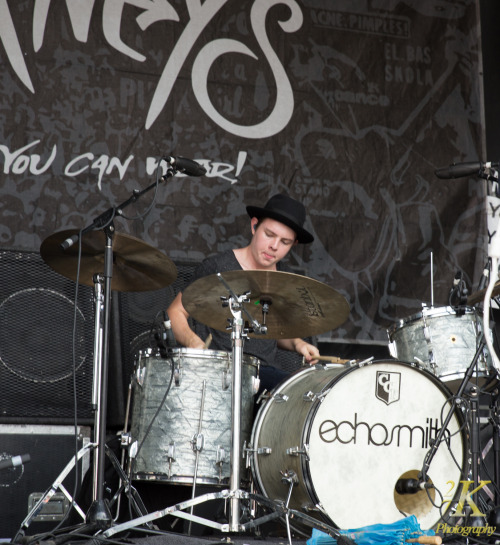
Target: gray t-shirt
{"x": 261, "y": 348}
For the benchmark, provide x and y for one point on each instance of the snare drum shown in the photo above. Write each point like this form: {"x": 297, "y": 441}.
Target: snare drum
{"x": 184, "y": 436}
{"x": 345, "y": 437}
{"x": 444, "y": 343}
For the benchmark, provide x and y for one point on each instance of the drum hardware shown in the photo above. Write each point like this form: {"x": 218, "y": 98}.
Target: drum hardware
{"x": 297, "y": 451}
{"x": 177, "y": 375}
{"x": 198, "y": 442}
{"x": 459, "y": 292}
{"x": 310, "y": 396}
{"x": 226, "y": 383}
{"x": 291, "y": 478}
{"x": 170, "y": 457}
{"x": 220, "y": 459}
{"x": 263, "y": 396}
{"x": 248, "y": 450}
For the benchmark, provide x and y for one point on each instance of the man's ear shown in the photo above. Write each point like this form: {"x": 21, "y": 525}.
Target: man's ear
{"x": 253, "y": 223}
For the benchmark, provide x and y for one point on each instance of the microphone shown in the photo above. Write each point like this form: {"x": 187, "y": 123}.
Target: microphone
{"x": 186, "y": 166}
{"x": 460, "y": 170}
{"x": 15, "y": 461}
{"x": 69, "y": 242}
{"x": 411, "y": 486}
{"x": 457, "y": 298}
{"x": 483, "y": 281}
{"x": 167, "y": 324}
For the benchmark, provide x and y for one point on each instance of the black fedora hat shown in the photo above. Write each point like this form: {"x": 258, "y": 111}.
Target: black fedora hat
{"x": 286, "y": 210}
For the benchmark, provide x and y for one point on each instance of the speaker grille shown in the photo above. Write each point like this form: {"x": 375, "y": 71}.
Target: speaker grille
{"x": 39, "y": 327}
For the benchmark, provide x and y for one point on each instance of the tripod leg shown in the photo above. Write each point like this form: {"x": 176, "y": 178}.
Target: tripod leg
{"x": 57, "y": 484}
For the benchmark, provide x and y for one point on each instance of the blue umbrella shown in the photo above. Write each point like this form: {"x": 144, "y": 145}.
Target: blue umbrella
{"x": 396, "y": 533}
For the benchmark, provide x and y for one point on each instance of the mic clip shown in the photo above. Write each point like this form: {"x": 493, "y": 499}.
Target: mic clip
{"x": 458, "y": 294}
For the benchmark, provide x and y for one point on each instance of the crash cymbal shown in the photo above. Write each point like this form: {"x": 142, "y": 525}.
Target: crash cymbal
{"x": 136, "y": 265}
{"x": 300, "y": 306}
{"x": 478, "y": 297}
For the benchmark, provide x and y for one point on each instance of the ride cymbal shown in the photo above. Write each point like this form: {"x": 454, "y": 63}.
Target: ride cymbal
{"x": 137, "y": 266}
{"x": 299, "y": 306}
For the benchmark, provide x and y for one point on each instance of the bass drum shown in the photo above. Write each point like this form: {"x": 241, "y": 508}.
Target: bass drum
{"x": 184, "y": 434}
{"x": 348, "y": 435}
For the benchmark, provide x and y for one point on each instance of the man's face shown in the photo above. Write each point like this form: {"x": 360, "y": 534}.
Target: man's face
{"x": 271, "y": 241}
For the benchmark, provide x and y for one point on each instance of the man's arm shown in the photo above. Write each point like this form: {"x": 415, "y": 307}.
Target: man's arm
{"x": 178, "y": 316}
{"x": 307, "y": 350}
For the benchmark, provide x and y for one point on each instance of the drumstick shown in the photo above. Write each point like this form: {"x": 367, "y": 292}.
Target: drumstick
{"x": 331, "y": 359}
{"x": 428, "y": 540}
{"x": 207, "y": 341}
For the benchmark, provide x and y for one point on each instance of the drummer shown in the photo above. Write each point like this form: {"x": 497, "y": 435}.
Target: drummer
{"x": 276, "y": 228}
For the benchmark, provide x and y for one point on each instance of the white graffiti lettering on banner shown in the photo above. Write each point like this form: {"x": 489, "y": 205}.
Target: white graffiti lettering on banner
{"x": 18, "y": 161}
{"x": 200, "y": 14}
{"x": 103, "y": 164}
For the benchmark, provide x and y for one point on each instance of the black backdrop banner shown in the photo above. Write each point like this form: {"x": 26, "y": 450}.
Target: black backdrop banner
{"x": 347, "y": 106}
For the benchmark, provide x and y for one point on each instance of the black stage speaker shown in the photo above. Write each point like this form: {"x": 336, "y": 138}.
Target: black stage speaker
{"x": 39, "y": 329}
{"x": 51, "y": 448}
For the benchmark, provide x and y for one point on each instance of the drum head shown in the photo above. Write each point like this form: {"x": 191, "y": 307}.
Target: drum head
{"x": 375, "y": 426}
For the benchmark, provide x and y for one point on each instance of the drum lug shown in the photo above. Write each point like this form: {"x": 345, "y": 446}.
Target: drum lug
{"x": 311, "y": 396}
{"x": 177, "y": 375}
{"x": 141, "y": 373}
{"x": 248, "y": 450}
{"x": 297, "y": 451}
{"x": 280, "y": 398}
{"x": 170, "y": 457}
{"x": 125, "y": 439}
{"x": 132, "y": 451}
{"x": 220, "y": 459}
{"x": 198, "y": 442}
{"x": 225, "y": 381}
{"x": 255, "y": 385}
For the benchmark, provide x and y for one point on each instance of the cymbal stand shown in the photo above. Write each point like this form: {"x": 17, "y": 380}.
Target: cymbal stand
{"x": 99, "y": 512}
{"x": 237, "y": 342}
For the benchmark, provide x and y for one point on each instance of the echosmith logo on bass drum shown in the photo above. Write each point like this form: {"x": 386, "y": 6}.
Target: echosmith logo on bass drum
{"x": 388, "y": 386}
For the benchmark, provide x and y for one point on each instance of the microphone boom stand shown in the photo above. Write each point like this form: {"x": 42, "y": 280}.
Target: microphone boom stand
{"x": 99, "y": 512}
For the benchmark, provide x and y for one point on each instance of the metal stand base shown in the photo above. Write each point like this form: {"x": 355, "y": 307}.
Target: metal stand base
{"x": 98, "y": 516}
{"x": 177, "y": 510}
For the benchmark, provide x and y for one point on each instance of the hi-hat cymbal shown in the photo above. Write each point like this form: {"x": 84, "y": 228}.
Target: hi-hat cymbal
{"x": 300, "y": 306}
{"x": 478, "y": 297}
{"x": 137, "y": 266}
